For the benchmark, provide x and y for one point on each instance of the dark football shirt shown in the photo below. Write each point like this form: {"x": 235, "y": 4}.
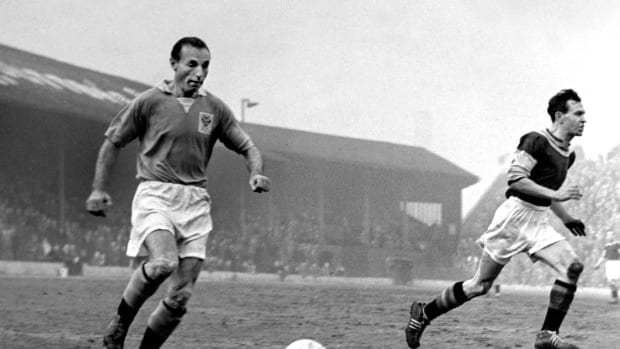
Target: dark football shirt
{"x": 550, "y": 163}
{"x": 612, "y": 251}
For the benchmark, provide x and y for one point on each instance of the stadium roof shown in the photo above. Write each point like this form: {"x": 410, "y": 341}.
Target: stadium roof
{"x": 376, "y": 154}
{"x": 48, "y": 85}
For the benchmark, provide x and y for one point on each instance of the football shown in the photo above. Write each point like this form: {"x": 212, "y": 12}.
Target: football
{"x": 305, "y": 344}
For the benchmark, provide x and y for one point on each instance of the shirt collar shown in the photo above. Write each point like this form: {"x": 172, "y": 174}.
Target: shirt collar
{"x": 166, "y": 86}
{"x": 558, "y": 141}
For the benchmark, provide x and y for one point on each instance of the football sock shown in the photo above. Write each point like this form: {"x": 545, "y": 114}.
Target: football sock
{"x": 160, "y": 326}
{"x": 450, "y": 298}
{"x": 139, "y": 288}
{"x": 126, "y": 312}
{"x": 151, "y": 339}
{"x": 560, "y": 299}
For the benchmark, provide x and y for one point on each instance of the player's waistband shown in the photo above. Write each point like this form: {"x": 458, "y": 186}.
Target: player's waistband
{"x": 155, "y": 182}
{"x": 526, "y": 204}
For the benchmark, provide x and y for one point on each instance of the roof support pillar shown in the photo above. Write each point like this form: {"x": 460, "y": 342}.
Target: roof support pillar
{"x": 365, "y": 237}
{"x": 61, "y": 185}
{"x": 321, "y": 207}
{"x": 242, "y": 211}
{"x": 405, "y": 217}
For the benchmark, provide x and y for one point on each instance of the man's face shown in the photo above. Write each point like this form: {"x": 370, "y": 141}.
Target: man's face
{"x": 573, "y": 121}
{"x": 190, "y": 71}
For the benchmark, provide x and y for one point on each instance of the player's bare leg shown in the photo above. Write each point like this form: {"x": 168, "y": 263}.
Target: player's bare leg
{"x": 143, "y": 283}
{"x": 422, "y": 314}
{"x": 170, "y": 311}
{"x": 562, "y": 258}
{"x": 613, "y": 287}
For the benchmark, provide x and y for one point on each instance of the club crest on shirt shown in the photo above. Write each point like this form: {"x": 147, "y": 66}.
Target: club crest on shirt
{"x": 205, "y": 122}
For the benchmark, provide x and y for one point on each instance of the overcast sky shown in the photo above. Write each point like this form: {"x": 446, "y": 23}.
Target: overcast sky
{"x": 463, "y": 79}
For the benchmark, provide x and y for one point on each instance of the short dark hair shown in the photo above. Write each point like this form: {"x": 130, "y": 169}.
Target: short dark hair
{"x": 559, "y": 102}
{"x": 188, "y": 40}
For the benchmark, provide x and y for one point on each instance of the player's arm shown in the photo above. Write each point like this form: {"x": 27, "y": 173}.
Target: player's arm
{"x": 108, "y": 155}
{"x": 527, "y": 186}
{"x": 600, "y": 261}
{"x": 518, "y": 176}
{"x": 127, "y": 125}
{"x": 575, "y": 225}
{"x": 530, "y": 150}
{"x": 603, "y": 258}
{"x": 559, "y": 210}
{"x": 254, "y": 160}
{"x": 518, "y": 180}
{"x": 237, "y": 139}
{"x": 99, "y": 199}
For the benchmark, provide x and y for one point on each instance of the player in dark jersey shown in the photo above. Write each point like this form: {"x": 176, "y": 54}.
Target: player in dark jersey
{"x": 521, "y": 225}
{"x": 177, "y": 124}
{"x": 611, "y": 257}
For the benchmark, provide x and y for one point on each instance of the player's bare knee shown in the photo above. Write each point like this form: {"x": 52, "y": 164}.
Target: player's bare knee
{"x": 161, "y": 268}
{"x": 485, "y": 286}
{"x": 475, "y": 289}
{"x": 574, "y": 270}
{"x": 177, "y": 299}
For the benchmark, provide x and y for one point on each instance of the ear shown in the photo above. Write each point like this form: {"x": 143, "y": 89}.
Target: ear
{"x": 173, "y": 64}
{"x": 558, "y": 116}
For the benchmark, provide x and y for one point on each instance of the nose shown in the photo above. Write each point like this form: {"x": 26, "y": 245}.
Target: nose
{"x": 200, "y": 73}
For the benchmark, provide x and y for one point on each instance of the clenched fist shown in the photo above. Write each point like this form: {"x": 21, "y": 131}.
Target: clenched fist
{"x": 98, "y": 202}
{"x": 260, "y": 183}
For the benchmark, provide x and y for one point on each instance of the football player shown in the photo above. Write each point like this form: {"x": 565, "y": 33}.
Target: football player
{"x": 521, "y": 225}
{"x": 177, "y": 124}
{"x": 611, "y": 257}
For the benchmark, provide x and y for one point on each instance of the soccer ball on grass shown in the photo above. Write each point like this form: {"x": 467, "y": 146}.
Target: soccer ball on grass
{"x": 305, "y": 344}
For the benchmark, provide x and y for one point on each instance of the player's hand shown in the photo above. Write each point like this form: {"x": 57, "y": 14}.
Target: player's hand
{"x": 260, "y": 183}
{"x": 98, "y": 202}
{"x": 576, "y": 227}
{"x": 570, "y": 193}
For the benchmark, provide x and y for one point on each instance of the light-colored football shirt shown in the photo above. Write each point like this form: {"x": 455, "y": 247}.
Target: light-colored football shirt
{"x": 175, "y": 145}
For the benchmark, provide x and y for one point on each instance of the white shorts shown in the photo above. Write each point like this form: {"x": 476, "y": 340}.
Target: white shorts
{"x": 518, "y": 226}
{"x": 612, "y": 270}
{"x": 183, "y": 210}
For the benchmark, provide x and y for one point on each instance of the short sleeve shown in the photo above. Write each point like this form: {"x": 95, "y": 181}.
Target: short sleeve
{"x": 527, "y": 155}
{"x": 127, "y": 124}
{"x": 533, "y": 143}
{"x": 232, "y": 135}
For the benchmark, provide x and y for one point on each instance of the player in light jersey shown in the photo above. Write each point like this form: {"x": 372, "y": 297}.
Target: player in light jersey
{"x": 521, "y": 225}
{"x": 177, "y": 124}
{"x": 611, "y": 257}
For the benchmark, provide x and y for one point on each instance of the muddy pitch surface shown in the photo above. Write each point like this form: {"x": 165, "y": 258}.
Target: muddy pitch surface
{"x": 71, "y": 313}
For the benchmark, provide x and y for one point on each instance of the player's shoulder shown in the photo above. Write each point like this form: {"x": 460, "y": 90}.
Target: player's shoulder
{"x": 211, "y": 97}
{"x": 215, "y": 102}
{"x": 533, "y": 136}
{"x": 148, "y": 95}
{"x": 533, "y": 139}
